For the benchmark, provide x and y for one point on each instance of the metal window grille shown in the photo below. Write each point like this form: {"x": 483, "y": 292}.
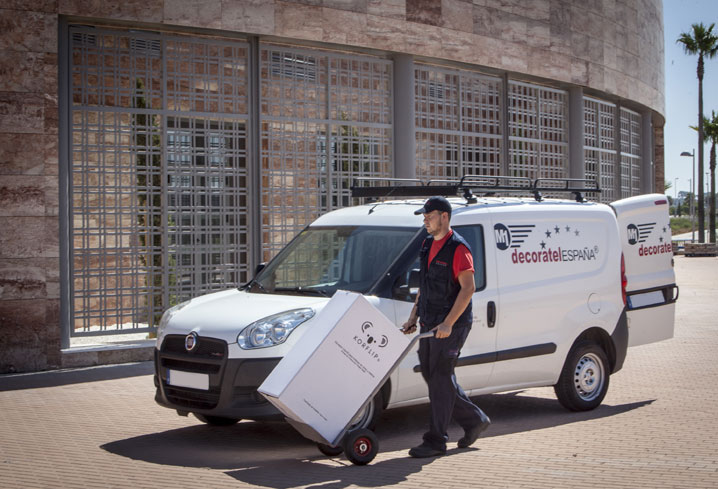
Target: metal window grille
{"x": 458, "y": 122}
{"x": 630, "y": 153}
{"x": 326, "y": 117}
{"x": 600, "y": 150}
{"x": 158, "y": 174}
{"x": 538, "y": 131}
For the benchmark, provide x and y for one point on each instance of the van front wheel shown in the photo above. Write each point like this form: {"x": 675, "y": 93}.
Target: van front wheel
{"x": 584, "y": 379}
{"x": 369, "y": 416}
{"x": 216, "y": 420}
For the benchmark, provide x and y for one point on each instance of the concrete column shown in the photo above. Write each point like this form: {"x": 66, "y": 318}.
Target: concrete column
{"x": 576, "y": 156}
{"x": 254, "y": 159}
{"x": 647, "y": 165}
{"x": 617, "y": 144}
{"x": 506, "y": 143}
{"x": 404, "y": 130}
{"x": 64, "y": 183}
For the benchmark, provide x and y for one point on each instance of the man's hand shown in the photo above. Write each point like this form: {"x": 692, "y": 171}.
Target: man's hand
{"x": 443, "y": 330}
{"x": 408, "y": 327}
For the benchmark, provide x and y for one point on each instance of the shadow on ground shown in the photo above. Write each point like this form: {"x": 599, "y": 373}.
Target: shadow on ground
{"x": 55, "y": 378}
{"x": 274, "y": 455}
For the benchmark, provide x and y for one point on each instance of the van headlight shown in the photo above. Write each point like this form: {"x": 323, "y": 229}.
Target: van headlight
{"x": 167, "y": 316}
{"x": 272, "y": 330}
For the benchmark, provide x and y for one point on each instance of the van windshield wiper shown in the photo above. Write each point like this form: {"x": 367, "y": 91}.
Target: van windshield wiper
{"x": 254, "y": 282}
{"x": 302, "y": 290}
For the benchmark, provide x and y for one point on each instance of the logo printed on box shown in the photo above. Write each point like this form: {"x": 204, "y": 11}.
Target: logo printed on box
{"x": 367, "y": 342}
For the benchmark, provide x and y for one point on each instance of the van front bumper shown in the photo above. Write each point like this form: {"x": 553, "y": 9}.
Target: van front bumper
{"x": 232, "y": 383}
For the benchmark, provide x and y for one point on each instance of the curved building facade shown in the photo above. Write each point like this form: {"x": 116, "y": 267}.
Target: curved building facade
{"x": 156, "y": 150}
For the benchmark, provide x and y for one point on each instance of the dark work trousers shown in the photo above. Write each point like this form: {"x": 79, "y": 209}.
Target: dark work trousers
{"x": 437, "y": 358}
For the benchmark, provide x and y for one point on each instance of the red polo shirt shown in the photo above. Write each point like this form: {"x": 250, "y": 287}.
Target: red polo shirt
{"x": 462, "y": 257}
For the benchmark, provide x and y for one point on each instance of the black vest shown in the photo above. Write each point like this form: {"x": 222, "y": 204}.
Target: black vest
{"x": 438, "y": 290}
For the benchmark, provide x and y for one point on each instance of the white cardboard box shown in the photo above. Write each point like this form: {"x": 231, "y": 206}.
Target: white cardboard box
{"x": 335, "y": 368}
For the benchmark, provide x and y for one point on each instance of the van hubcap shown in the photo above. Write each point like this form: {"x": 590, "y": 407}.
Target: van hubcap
{"x": 588, "y": 377}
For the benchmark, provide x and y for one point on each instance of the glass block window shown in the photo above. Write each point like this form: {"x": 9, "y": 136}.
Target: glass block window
{"x": 326, "y": 118}
{"x": 458, "y": 123}
{"x": 600, "y": 150}
{"x": 157, "y": 172}
{"x": 630, "y": 153}
{"x": 538, "y": 131}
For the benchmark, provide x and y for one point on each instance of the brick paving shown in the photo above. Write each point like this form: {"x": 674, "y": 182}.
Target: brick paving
{"x": 656, "y": 428}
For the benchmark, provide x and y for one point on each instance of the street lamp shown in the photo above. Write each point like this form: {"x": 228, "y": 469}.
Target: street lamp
{"x": 707, "y": 184}
{"x": 675, "y": 189}
{"x": 692, "y": 182}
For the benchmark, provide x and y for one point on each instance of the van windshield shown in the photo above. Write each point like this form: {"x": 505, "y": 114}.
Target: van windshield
{"x": 321, "y": 260}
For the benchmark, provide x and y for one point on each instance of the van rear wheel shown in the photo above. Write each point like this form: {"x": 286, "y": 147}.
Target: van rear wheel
{"x": 584, "y": 379}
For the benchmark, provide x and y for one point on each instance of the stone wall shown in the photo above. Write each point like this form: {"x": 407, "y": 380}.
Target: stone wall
{"x": 29, "y": 245}
{"x": 612, "y": 47}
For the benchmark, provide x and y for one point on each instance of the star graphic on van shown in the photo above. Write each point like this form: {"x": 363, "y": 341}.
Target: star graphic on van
{"x": 557, "y": 229}
{"x": 568, "y": 229}
{"x": 548, "y": 233}
{"x": 577, "y": 232}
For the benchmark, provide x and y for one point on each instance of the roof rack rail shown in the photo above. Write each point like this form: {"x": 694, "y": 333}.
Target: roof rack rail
{"x": 470, "y": 184}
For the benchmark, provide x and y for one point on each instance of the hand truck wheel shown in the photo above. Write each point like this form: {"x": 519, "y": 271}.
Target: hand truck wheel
{"x": 360, "y": 446}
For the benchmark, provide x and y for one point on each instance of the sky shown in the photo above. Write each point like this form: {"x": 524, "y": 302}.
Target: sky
{"x": 682, "y": 89}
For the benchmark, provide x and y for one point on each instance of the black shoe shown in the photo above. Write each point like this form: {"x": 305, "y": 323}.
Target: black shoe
{"x": 472, "y": 434}
{"x": 424, "y": 451}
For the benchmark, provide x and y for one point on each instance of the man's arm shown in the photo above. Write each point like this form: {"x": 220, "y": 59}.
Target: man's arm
{"x": 466, "y": 281}
{"x": 410, "y": 325}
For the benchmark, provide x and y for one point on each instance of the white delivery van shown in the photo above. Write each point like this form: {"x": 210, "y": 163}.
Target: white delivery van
{"x": 563, "y": 287}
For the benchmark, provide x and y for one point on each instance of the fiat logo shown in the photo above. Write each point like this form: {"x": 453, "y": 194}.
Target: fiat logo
{"x": 190, "y": 341}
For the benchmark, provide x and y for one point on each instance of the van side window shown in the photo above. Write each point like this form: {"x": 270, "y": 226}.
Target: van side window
{"x": 474, "y": 235}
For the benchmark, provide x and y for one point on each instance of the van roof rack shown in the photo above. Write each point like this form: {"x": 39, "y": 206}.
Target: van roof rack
{"x": 468, "y": 185}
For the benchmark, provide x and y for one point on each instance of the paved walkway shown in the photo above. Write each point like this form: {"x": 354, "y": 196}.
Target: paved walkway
{"x": 656, "y": 428}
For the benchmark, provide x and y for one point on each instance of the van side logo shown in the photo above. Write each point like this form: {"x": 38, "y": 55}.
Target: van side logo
{"x": 511, "y": 236}
{"x": 559, "y": 243}
{"x": 639, "y": 233}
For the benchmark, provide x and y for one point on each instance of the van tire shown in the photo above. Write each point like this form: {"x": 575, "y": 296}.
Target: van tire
{"x": 216, "y": 420}
{"x": 369, "y": 417}
{"x": 584, "y": 379}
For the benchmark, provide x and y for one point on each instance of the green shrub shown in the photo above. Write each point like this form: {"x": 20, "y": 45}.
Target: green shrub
{"x": 680, "y": 225}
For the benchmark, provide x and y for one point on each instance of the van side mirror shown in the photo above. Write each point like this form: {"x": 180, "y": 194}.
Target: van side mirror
{"x": 414, "y": 280}
{"x": 407, "y": 286}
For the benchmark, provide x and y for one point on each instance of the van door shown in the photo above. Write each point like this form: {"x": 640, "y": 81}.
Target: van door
{"x": 477, "y": 356}
{"x": 651, "y": 290}
{"x": 552, "y": 261}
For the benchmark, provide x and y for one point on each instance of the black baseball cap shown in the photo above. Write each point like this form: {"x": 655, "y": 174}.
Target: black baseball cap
{"x": 435, "y": 203}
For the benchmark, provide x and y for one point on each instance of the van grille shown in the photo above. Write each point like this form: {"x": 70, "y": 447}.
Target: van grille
{"x": 206, "y": 347}
{"x": 192, "y": 398}
{"x": 207, "y": 358}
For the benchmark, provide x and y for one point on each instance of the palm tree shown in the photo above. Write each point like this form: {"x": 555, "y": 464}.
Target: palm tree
{"x": 710, "y": 126}
{"x": 704, "y": 43}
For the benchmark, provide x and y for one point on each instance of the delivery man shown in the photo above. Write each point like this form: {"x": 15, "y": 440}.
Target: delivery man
{"x": 443, "y": 305}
